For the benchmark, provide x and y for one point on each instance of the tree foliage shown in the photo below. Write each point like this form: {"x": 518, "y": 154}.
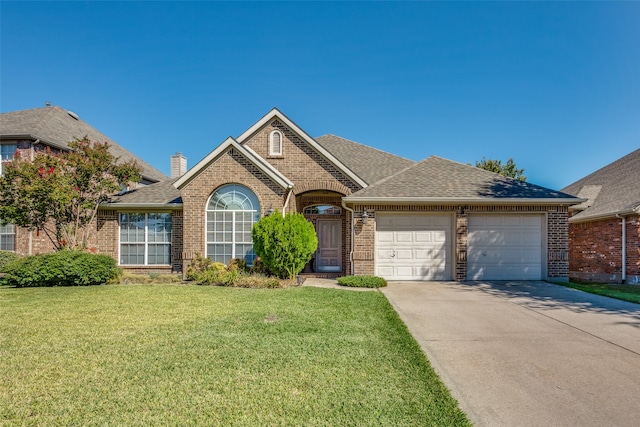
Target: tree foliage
{"x": 284, "y": 243}
{"x": 59, "y": 193}
{"x": 508, "y": 169}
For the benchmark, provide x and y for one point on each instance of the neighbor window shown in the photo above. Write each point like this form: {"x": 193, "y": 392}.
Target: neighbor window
{"x": 145, "y": 238}
{"x": 7, "y": 237}
{"x": 275, "y": 143}
{"x": 231, "y": 212}
{"x": 6, "y": 154}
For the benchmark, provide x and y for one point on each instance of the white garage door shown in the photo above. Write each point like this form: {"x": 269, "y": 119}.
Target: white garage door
{"x": 413, "y": 247}
{"x": 504, "y": 247}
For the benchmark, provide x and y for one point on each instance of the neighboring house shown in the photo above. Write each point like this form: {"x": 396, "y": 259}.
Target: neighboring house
{"x": 30, "y": 131}
{"x": 374, "y": 212}
{"x": 604, "y": 231}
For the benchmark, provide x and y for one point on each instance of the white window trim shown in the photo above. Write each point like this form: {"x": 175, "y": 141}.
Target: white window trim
{"x": 13, "y": 233}
{"x": 272, "y": 151}
{"x": 146, "y": 241}
{"x": 233, "y": 243}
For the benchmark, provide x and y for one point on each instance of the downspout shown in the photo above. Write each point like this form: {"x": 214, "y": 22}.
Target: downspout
{"x": 624, "y": 248}
{"x": 286, "y": 202}
{"x": 352, "y": 235}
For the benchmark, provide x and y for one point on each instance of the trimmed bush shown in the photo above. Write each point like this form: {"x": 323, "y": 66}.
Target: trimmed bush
{"x": 284, "y": 243}
{"x": 7, "y": 257}
{"x": 62, "y": 268}
{"x": 362, "y": 281}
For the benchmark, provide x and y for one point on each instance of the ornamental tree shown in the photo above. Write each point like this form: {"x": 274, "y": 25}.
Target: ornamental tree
{"x": 508, "y": 169}
{"x": 59, "y": 193}
{"x": 284, "y": 243}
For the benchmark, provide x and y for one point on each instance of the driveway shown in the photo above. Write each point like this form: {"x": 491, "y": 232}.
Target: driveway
{"x": 528, "y": 353}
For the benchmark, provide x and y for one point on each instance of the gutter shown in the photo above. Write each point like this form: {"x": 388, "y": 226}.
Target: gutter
{"x": 456, "y": 201}
{"x": 164, "y": 206}
{"x": 352, "y": 234}
{"x": 607, "y": 215}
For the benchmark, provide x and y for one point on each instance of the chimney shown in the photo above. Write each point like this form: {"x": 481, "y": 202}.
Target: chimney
{"x": 178, "y": 165}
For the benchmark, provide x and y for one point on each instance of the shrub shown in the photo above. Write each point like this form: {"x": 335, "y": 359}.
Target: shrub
{"x": 260, "y": 268}
{"x": 362, "y": 281}
{"x": 285, "y": 244}
{"x": 238, "y": 264}
{"x": 128, "y": 277}
{"x": 62, "y": 268}
{"x": 7, "y": 257}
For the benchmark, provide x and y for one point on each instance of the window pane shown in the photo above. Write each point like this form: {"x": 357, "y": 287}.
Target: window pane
{"x": 131, "y": 254}
{"x": 159, "y": 254}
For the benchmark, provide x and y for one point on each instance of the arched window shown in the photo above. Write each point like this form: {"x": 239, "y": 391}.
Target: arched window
{"x": 231, "y": 212}
{"x": 275, "y": 143}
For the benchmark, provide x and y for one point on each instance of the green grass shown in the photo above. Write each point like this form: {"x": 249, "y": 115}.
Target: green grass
{"x": 629, "y": 293}
{"x": 191, "y": 355}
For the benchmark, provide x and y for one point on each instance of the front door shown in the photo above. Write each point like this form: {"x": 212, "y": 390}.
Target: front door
{"x": 329, "y": 253}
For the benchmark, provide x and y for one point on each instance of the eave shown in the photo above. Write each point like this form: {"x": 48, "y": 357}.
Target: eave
{"x": 459, "y": 200}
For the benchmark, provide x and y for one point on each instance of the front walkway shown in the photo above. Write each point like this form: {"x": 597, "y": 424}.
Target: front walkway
{"x": 528, "y": 353}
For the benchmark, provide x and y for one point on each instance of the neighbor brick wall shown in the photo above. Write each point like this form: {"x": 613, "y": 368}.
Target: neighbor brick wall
{"x": 596, "y": 250}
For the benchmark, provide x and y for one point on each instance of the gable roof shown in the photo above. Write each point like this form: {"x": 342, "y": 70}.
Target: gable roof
{"x": 276, "y": 114}
{"x": 247, "y": 152}
{"x": 368, "y": 163}
{"x": 57, "y": 127}
{"x": 438, "y": 180}
{"x": 160, "y": 195}
{"x": 613, "y": 189}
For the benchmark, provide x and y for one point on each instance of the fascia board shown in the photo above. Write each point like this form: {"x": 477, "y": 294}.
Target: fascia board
{"x": 608, "y": 215}
{"x": 33, "y": 138}
{"x": 291, "y": 125}
{"x": 221, "y": 149}
{"x": 163, "y": 206}
{"x": 455, "y": 200}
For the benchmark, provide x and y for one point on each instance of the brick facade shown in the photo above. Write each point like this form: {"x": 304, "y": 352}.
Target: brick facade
{"x": 596, "y": 250}
{"x": 557, "y": 244}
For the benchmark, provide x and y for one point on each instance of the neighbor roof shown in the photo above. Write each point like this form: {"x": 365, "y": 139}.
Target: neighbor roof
{"x": 618, "y": 189}
{"x": 368, "y": 163}
{"x": 57, "y": 127}
{"x": 440, "y": 180}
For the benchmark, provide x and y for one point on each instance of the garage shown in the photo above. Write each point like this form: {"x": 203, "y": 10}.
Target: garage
{"x": 505, "y": 247}
{"x": 413, "y": 246}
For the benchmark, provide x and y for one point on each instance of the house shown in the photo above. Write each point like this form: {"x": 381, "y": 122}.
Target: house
{"x": 604, "y": 230}
{"x": 29, "y": 131}
{"x": 374, "y": 212}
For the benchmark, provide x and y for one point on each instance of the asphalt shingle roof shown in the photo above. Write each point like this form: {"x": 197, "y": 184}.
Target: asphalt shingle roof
{"x": 437, "y": 178}
{"x": 159, "y": 193}
{"x": 56, "y": 126}
{"x": 368, "y": 163}
{"x": 613, "y": 189}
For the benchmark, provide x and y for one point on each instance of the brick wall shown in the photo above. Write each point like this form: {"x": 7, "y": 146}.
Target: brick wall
{"x": 596, "y": 250}
{"x": 230, "y": 167}
{"x": 557, "y": 241}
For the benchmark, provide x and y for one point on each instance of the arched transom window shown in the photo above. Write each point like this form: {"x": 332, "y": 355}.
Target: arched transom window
{"x": 231, "y": 212}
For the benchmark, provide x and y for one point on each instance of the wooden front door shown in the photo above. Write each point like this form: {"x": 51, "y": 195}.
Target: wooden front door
{"x": 329, "y": 253}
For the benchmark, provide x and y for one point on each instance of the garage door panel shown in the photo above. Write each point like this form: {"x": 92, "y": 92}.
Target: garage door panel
{"x": 418, "y": 249}
{"x": 504, "y": 247}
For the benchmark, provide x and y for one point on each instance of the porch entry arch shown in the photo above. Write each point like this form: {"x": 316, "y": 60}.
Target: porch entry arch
{"x": 231, "y": 212}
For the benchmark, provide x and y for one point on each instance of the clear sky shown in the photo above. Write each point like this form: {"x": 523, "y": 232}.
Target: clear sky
{"x": 555, "y": 85}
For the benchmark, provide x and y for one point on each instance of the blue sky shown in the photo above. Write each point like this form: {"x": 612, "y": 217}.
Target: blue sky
{"x": 555, "y": 85}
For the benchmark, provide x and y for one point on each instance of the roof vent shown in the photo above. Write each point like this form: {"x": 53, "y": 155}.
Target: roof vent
{"x": 74, "y": 115}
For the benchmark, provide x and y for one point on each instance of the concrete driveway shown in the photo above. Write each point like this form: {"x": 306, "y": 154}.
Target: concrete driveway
{"x": 528, "y": 353}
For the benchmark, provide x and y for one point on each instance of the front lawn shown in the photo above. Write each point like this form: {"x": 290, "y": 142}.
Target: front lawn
{"x": 629, "y": 293}
{"x": 190, "y": 355}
